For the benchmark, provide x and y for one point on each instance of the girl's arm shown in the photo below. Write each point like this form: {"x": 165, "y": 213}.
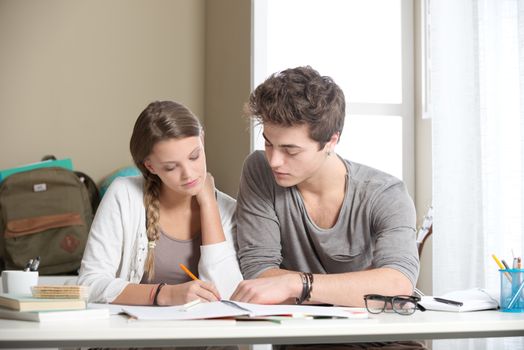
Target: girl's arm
{"x": 210, "y": 222}
{"x": 218, "y": 260}
{"x": 144, "y": 294}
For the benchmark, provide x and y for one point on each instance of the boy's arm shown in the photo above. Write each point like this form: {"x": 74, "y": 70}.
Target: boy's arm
{"x": 258, "y": 229}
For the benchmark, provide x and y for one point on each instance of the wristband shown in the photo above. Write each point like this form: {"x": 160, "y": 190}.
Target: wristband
{"x": 305, "y": 287}
{"x": 310, "y": 285}
{"x": 160, "y": 286}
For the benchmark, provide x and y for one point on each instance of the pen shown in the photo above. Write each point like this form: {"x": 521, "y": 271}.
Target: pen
{"x": 505, "y": 264}
{"x": 35, "y": 264}
{"x": 190, "y": 304}
{"x": 28, "y": 265}
{"x": 189, "y": 273}
{"x": 508, "y": 276}
{"x": 447, "y": 301}
{"x": 516, "y": 296}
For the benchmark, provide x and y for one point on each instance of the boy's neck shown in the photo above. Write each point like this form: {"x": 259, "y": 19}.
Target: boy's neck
{"x": 331, "y": 177}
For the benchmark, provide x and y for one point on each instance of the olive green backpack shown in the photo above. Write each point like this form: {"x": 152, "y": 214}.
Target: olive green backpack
{"x": 47, "y": 213}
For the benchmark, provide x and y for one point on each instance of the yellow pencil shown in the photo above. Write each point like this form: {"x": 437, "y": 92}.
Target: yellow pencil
{"x": 498, "y": 262}
{"x": 508, "y": 276}
{"x": 189, "y": 273}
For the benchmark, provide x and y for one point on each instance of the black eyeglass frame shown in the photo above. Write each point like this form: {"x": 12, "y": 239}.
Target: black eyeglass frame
{"x": 392, "y": 300}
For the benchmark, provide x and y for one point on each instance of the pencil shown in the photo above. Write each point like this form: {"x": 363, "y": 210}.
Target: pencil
{"x": 189, "y": 273}
{"x": 498, "y": 262}
{"x": 508, "y": 276}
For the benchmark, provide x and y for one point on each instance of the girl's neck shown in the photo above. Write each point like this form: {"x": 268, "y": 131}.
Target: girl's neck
{"x": 170, "y": 200}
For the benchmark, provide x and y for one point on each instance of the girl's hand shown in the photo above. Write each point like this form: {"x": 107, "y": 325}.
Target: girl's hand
{"x": 207, "y": 193}
{"x": 183, "y": 293}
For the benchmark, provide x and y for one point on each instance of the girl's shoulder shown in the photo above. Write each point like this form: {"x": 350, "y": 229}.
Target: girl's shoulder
{"x": 132, "y": 186}
{"x": 225, "y": 202}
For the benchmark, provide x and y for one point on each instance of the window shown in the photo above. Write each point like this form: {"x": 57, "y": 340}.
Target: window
{"x": 366, "y": 46}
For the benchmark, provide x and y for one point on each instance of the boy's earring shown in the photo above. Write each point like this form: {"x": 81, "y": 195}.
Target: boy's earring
{"x": 328, "y": 153}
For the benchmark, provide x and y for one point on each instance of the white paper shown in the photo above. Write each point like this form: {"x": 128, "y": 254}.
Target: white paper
{"x": 215, "y": 309}
{"x": 114, "y": 309}
{"x": 220, "y": 309}
{"x": 275, "y": 310}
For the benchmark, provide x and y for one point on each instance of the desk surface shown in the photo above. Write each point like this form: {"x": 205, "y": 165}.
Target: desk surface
{"x": 118, "y": 331}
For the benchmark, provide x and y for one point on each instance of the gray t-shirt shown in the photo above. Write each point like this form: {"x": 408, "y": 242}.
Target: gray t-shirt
{"x": 169, "y": 253}
{"x": 375, "y": 227}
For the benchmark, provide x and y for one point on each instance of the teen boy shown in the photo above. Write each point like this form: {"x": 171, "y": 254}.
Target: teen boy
{"x": 313, "y": 226}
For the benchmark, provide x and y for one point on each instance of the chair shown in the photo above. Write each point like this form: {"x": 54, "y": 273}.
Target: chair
{"x": 425, "y": 230}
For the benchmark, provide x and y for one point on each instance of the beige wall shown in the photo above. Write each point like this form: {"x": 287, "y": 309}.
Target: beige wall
{"x": 228, "y": 67}
{"x": 75, "y": 74}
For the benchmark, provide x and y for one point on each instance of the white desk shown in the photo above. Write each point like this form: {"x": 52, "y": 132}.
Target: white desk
{"x": 119, "y": 332}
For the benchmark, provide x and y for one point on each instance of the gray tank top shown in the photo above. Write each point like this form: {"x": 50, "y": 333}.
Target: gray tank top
{"x": 169, "y": 253}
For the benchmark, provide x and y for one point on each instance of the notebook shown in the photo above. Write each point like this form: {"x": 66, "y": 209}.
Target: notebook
{"x": 30, "y": 303}
{"x": 60, "y": 291}
{"x": 474, "y": 299}
{"x": 48, "y": 316}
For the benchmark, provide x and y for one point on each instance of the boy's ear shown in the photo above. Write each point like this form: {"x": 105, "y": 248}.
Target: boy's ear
{"x": 330, "y": 145}
{"x": 335, "y": 137}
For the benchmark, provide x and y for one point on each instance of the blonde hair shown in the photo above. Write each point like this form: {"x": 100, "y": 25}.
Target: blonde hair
{"x": 161, "y": 120}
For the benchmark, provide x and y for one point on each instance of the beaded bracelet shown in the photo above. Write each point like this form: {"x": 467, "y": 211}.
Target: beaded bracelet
{"x": 160, "y": 286}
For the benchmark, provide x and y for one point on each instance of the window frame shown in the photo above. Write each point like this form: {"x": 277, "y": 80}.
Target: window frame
{"x": 405, "y": 109}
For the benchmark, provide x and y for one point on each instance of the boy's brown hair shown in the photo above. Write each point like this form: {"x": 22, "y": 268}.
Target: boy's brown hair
{"x": 299, "y": 96}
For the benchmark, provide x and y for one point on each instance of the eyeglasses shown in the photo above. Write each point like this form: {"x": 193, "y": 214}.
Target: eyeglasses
{"x": 401, "y": 304}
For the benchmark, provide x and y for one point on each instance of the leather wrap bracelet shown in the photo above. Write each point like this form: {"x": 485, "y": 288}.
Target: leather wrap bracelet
{"x": 307, "y": 287}
{"x": 310, "y": 285}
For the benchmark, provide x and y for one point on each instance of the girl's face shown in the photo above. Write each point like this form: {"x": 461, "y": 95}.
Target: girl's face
{"x": 180, "y": 164}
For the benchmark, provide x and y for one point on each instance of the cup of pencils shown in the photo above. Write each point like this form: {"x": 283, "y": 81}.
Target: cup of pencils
{"x": 512, "y": 290}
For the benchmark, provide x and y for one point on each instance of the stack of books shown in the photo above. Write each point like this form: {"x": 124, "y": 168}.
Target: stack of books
{"x": 50, "y": 303}
{"x": 60, "y": 292}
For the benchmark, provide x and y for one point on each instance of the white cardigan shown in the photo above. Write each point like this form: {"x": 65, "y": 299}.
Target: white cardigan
{"x": 116, "y": 248}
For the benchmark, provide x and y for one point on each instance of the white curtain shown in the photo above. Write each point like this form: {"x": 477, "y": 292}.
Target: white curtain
{"x": 477, "y": 110}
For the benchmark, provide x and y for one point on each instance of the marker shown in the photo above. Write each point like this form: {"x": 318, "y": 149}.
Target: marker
{"x": 186, "y": 306}
{"x": 189, "y": 273}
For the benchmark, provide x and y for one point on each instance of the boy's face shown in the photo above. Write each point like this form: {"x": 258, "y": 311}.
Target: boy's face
{"x": 292, "y": 155}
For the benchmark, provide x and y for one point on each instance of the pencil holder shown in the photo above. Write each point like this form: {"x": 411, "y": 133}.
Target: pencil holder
{"x": 512, "y": 290}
